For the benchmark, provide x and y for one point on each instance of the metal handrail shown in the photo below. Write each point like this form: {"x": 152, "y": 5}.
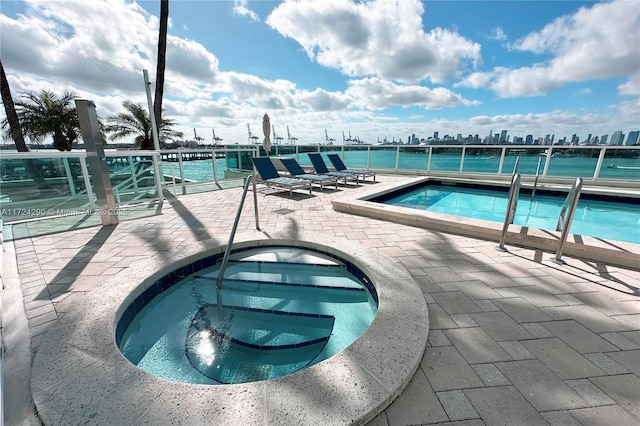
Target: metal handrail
{"x": 512, "y": 205}
{"x": 225, "y": 259}
{"x": 566, "y": 216}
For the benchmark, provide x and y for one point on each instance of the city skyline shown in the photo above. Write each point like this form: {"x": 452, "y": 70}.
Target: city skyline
{"x": 617, "y": 138}
{"x": 373, "y": 70}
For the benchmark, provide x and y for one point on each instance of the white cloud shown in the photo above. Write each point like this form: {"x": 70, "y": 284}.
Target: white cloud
{"x": 380, "y": 94}
{"x": 498, "y": 34}
{"x": 375, "y": 38}
{"x": 631, "y": 87}
{"x": 594, "y": 43}
{"x": 56, "y": 45}
{"x": 60, "y": 40}
{"x": 240, "y": 8}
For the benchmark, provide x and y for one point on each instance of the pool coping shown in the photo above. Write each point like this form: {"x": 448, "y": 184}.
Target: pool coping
{"x": 80, "y": 375}
{"x": 618, "y": 253}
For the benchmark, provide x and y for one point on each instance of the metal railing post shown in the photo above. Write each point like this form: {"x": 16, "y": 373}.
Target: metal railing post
{"x": 596, "y": 172}
{"x": 547, "y": 161}
{"x": 535, "y": 181}
{"x": 67, "y": 170}
{"x": 215, "y": 168}
{"x": 501, "y": 164}
{"x": 87, "y": 183}
{"x": 515, "y": 166}
{"x": 159, "y": 179}
{"x": 132, "y": 171}
{"x": 397, "y": 164}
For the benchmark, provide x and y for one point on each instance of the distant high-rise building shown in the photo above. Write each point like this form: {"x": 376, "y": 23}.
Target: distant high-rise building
{"x": 503, "y": 136}
{"x": 547, "y": 140}
{"x": 589, "y": 138}
{"x": 528, "y": 140}
{"x": 632, "y": 137}
{"x": 575, "y": 139}
{"x": 603, "y": 139}
{"x": 616, "y": 138}
{"x": 435, "y": 135}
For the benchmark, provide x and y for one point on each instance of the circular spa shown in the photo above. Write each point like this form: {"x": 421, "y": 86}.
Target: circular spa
{"x": 278, "y": 310}
{"x": 312, "y": 330}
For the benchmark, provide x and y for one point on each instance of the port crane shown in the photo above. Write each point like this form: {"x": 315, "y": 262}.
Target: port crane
{"x": 216, "y": 139}
{"x": 349, "y": 139}
{"x": 197, "y": 138}
{"x": 327, "y": 138}
{"x": 252, "y": 139}
{"x": 276, "y": 139}
{"x": 290, "y": 139}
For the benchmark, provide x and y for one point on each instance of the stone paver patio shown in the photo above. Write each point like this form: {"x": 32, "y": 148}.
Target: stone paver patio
{"x": 514, "y": 338}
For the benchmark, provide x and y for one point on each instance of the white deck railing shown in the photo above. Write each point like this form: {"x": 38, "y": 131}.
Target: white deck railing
{"x": 67, "y": 183}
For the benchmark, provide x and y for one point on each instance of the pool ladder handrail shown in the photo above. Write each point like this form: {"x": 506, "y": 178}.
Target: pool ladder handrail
{"x": 512, "y": 205}
{"x": 566, "y": 217}
{"x": 225, "y": 259}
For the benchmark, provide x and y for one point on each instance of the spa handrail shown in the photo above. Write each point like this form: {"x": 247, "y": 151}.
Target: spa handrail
{"x": 225, "y": 259}
{"x": 512, "y": 205}
{"x": 566, "y": 216}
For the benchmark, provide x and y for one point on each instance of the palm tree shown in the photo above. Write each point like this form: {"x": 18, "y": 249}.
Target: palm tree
{"x": 45, "y": 113}
{"x": 12, "y": 120}
{"x": 162, "y": 48}
{"x": 136, "y": 122}
{"x": 15, "y": 130}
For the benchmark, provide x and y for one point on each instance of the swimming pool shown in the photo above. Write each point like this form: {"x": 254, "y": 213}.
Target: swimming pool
{"x": 612, "y": 218}
{"x": 590, "y": 248}
{"x": 283, "y": 309}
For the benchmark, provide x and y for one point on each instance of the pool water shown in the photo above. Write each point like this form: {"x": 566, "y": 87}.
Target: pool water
{"x": 283, "y": 309}
{"x": 610, "y": 220}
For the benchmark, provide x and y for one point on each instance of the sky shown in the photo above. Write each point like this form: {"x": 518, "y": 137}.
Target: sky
{"x": 372, "y": 70}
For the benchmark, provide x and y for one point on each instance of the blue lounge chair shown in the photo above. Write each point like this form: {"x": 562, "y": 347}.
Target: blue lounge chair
{"x": 341, "y": 167}
{"x": 321, "y": 168}
{"x": 295, "y": 170}
{"x": 268, "y": 175}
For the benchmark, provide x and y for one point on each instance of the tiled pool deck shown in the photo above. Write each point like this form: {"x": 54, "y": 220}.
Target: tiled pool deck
{"x": 514, "y": 338}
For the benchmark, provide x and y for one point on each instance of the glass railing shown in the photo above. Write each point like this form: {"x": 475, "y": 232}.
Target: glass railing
{"x": 44, "y": 183}
{"x": 620, "y": 163}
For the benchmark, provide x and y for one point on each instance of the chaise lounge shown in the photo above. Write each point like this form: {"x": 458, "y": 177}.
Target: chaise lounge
{"x": 269, "y": 176}
{"x": 297, "y": 171}
{"x": 321, "y": 168}
{"x": 341, "y": 167}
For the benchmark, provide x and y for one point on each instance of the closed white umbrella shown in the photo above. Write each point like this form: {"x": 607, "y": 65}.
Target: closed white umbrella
{"x": 266, "y": 129}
